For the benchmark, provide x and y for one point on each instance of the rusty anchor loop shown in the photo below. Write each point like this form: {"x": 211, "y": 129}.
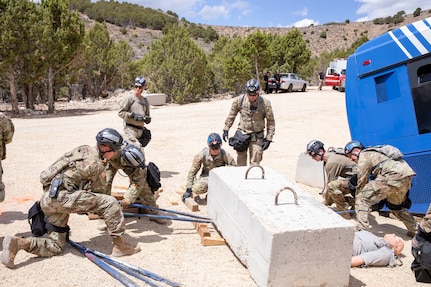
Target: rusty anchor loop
{"x": 295, "y": 196}
{"x": 252, "y": 166}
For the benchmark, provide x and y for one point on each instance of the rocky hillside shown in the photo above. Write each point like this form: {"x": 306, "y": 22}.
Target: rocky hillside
{"x": 338, "y": 35}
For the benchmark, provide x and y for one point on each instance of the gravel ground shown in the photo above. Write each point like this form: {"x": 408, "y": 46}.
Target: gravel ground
{"x": 179, "y": 131}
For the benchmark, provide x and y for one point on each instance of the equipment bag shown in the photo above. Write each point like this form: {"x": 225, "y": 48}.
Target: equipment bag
{"x": 36, "y": 219}
{"x": 240, "y": 141}
{"x": 388, "y": 150}
{"x": 153, "y": 176}
{"x": 421, "y": 265}
{"x": 68, "y": 159}
{"x": 145, "y": 137}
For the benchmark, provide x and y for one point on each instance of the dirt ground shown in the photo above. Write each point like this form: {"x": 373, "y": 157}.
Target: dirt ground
{"x": 175, "y": 250}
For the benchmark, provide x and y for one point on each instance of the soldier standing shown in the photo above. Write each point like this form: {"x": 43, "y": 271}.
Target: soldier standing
{"x": 208, "y": 158}
{"x": 383, "y": 178}
{"x": 77, "y": 188}
{"x": 255, "y": 112}
{"x": 135, "y": 112}
{"x": 7, "y": 130}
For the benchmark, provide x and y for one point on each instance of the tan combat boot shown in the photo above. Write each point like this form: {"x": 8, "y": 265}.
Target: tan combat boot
{"x": 155, "y": 219}
{"x": 11, "y": 246}
{"x": 121, "y": 248}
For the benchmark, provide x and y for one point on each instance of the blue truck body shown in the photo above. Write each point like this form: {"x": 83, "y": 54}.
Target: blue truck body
{"x": 388, "y": 99}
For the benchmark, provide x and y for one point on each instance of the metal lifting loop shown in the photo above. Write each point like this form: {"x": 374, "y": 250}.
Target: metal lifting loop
{"x": 255, "y": 165}
{"x": 295, "y": 196}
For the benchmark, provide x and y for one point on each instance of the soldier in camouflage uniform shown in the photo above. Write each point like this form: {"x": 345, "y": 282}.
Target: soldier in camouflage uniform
{"x": 339, "y": 168}
{"x": 132, "y": 161}
{"x": 254, "y": 111}
{"x": 7, "y": 130}
{"x": 208, "y": 158}
{"x": 380, "y": 178}
{"x": 135, "y": 112}
{"x": 78, "y": 188}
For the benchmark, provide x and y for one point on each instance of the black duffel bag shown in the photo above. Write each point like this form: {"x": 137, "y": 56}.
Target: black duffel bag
{"x": 240, "y": 141}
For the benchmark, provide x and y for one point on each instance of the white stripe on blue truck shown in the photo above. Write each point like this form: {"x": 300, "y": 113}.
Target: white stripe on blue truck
{"x": 411, "y": 42}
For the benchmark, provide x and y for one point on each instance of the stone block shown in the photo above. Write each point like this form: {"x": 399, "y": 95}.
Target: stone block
{"x": 156, "y": 99}
{"x": 283, "y": 244}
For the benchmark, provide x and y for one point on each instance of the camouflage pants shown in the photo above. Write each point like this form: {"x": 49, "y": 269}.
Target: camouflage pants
{"x": 132, "y": 135}
{"x": 255, "y": 152}
{"x": 393, "y": 190}
{"x": 339, "y": 193}
{"x": 200, "y": 185}
{"x": 426, "y": 221}
{"x": 147, "y": 197}
{"x": 57, "y": 212}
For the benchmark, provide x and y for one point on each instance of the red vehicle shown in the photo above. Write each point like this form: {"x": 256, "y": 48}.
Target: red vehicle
{"x": 335, "y": 73}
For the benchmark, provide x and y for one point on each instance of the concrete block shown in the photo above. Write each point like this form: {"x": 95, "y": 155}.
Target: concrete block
{"x": 287, "y": 244}
{"x": 156, "y": 99}
{"x": 309, "y": 171}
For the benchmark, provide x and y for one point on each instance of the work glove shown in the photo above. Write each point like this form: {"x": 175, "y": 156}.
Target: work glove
{"x": 265, "y": 144}
{"x": 125, "y": 203}
{"x": 225, "y": 135}
{"x": 147, "y": 119}
{"x": 187, "y": 194}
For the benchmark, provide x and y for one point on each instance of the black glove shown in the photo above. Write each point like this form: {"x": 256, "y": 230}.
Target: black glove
{"x": 187, "y": 194}
{"x": 147, "y": 119}
{"x": 352, "y": 183}
{"x": 137, "y": 117}
{"x": 225, "y": 135}
{"x": 265, "y": 144}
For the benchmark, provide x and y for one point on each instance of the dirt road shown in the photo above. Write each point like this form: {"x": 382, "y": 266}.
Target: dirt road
{"x": 173, "y": 251}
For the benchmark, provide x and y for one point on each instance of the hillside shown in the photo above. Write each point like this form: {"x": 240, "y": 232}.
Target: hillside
{"x": 338, "y": 35}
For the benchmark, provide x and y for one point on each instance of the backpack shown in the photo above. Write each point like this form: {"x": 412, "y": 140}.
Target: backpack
{"x": 153, "y": 177}
{"x": 388, "y": 150}
{"x": 68, "y": 159}
{"x": 36, "y": 219}
{"x": 421, "y": 265}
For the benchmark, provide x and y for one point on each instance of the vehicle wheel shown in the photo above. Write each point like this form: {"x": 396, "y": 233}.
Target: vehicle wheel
{"x": 341, "y": 89}
{"x": 303, "y": 88}
{"x": 269, "y": 91}
{"x": 290, "y": 88}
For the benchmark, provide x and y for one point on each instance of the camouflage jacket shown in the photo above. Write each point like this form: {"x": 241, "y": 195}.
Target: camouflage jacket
{"x": 207, "y": 162}
{"x": 373, "y": 163}
{"x": 86, "y": 174}
{"x": 252, "y": 116}
{"x": 137, "y": 177}
{"x": 7, "y": 130}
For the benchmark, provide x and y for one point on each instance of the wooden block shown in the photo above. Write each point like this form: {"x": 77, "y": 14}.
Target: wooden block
{"x": 120, "y": 187}
{"x": 117, "y": 194}
{"x": 92, "y": 216}
{"x": 173, "y": 200}
{"x": 191, "y": 204}
{"x": 209, "y": 241}
{"x": 203, "y": 230}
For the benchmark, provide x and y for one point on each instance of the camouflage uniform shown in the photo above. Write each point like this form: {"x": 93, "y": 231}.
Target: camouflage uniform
{"x": 252, "y": 121}
{"x": 338, "y": 169}
{"x": 138, "y": 187}
{"x": 133, "y": 129}
{"x": 426, "y": 221}
{"x": 207, "y": 162}
{"x": 79, "y": 193}
{"x": 392, "y": 180}
{"x": 7, "y": 130}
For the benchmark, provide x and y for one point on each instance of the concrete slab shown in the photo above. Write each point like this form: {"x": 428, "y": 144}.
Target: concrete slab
{"x": 285, "y": 244}
{"x": 156, "y": 99}
{"x": 309, "y": 171}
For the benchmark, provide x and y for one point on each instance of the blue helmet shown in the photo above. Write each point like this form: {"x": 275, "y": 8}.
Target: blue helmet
{"x": 353, "y": 144}
{"x": 214, "y": 141}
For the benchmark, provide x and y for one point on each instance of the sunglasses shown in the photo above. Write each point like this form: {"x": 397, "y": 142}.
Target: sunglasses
{"x": 137, "y": 87}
